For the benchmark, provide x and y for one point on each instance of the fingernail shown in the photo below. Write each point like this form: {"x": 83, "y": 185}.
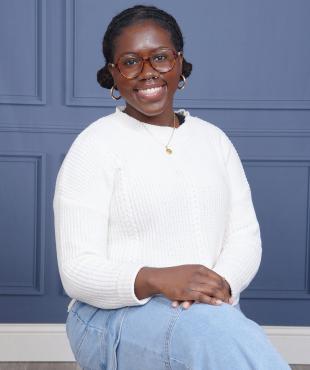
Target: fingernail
{"x": 218, "y": 301}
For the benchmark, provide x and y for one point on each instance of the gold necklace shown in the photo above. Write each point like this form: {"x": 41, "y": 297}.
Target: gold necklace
{"x": 167, "y": 148}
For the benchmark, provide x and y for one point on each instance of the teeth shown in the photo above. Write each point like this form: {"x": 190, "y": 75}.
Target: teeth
{"x": 152, "y": 90}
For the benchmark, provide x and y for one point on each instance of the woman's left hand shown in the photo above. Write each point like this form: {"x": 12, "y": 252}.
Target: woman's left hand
{"x": 187, "y": 304}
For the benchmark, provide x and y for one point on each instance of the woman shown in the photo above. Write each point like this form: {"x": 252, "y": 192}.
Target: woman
{"x": 155, "y": 227}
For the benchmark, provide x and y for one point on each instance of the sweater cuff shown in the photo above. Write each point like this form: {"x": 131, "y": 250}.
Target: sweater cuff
{"x": 235, "y": 286}
{"x": 126, "y": 285}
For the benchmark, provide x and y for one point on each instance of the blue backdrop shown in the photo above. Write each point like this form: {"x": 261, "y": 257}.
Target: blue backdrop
{"x": 251, "y": 77}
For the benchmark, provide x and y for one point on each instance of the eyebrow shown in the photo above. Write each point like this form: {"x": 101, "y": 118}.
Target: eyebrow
{"x": 135, "y": 53}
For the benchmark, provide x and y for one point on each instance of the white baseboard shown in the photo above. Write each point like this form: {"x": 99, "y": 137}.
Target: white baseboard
{"x": 48, "y": 343}
{"x": 34, "y": 342}
{"x": 293, "y": 342}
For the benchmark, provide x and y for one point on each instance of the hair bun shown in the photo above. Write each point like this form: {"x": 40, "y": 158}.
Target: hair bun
{"x": 105, "y": 78}
{"x": 186, "y": 68}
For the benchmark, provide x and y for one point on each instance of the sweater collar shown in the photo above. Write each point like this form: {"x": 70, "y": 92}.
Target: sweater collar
{"x": 134, "y": 123}
{"x": 157, "y": 133}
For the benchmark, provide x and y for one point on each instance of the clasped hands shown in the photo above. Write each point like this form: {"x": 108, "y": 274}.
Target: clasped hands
{"x": 195, "y": 283}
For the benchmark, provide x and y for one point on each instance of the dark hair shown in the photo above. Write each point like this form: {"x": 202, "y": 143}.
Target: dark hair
{"x": 128, "y": 17}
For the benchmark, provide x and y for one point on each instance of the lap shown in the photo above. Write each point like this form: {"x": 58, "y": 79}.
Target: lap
{"x": 158, "y": 336}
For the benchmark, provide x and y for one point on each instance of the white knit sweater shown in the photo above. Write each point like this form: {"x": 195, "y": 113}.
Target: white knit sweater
{"x": 121, "y": 203}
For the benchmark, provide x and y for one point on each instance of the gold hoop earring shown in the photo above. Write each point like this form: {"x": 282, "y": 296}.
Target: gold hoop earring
{"x": 183, "y": 83}
{"x": 113, "y": 96}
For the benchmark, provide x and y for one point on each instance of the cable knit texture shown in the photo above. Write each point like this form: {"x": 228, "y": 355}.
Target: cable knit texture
{"x": 121, "y": 203}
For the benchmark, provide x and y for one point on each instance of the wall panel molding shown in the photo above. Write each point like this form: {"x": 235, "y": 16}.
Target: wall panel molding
{"x": 287, "y": 294}
{"x": 66, "y": 128}
{"x": 72, "y": 99}
{"x": 36, "y": 285}
{"x": 39, "y": 98}
{"x": 197, "y": 98}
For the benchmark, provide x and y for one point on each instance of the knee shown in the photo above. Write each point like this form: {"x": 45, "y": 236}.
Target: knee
{"x": 221, "y": 320}
{"x": 202, "y": 323}
{"x": 202, "y": 330}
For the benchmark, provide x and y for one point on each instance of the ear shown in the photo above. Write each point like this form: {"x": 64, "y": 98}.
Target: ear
{"x": 111, "y": 70}
{"x": 180, "y": 59}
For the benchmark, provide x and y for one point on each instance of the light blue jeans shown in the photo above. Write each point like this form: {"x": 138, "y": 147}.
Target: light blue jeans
{"x": 157, "y": 336}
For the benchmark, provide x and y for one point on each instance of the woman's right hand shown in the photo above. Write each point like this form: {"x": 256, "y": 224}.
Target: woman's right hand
{"x": 193, "y": 283}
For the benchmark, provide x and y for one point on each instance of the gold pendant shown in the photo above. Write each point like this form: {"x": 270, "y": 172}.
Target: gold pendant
{"x": 168, "y": 150}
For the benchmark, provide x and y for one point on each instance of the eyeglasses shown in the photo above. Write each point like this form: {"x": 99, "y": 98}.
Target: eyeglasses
{"x": 131, "y": 65}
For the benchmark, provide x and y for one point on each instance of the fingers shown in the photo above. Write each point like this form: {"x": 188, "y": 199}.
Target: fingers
{"x": 184, "y": 304}
{"x": 211, "y": 284}
{"x": 210, "y": 291}
{"x": 201, "y": 296}
{"x": 188, "y": 303}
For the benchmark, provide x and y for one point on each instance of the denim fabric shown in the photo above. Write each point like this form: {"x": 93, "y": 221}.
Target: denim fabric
{"x": 157, "y": 336}
{"x": 94, "y": 335}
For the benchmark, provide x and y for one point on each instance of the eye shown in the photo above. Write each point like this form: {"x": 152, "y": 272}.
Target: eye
{"x": 160, "y": 57}
{"x": 130, "y": 61}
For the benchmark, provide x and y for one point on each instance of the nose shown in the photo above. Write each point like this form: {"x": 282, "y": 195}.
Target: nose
{"x": 148, "y": 71}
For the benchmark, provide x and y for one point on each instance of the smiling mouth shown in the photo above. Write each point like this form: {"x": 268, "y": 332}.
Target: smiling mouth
{"x": 151, "y": 92}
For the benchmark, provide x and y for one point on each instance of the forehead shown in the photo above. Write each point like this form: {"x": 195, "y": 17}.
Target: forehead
{"x": 142, "y": 37}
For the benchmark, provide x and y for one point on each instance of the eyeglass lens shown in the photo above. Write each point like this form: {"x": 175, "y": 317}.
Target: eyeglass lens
{"x": 131, "y": 65}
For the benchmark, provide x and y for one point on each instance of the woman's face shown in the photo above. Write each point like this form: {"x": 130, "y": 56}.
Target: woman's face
{"x": 143, "y": 104}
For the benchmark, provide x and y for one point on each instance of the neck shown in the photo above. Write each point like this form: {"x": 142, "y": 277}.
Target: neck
{"x": 167, "y": 118}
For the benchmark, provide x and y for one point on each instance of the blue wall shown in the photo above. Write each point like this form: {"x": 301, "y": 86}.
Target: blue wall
{"x": 251, "y": 77}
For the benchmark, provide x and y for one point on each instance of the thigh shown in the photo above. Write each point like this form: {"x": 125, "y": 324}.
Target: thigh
{"x": 93, "y": 335}
{"x": 145, "y": 340}
{"x": 145, "y": 336}
{"x": 220, "y": 337}
{"x": 135, "y": 337}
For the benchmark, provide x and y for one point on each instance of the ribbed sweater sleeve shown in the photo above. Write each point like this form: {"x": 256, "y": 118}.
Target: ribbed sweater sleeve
{"x": 241, "y": 252}
{"x": 81, "y": 210}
